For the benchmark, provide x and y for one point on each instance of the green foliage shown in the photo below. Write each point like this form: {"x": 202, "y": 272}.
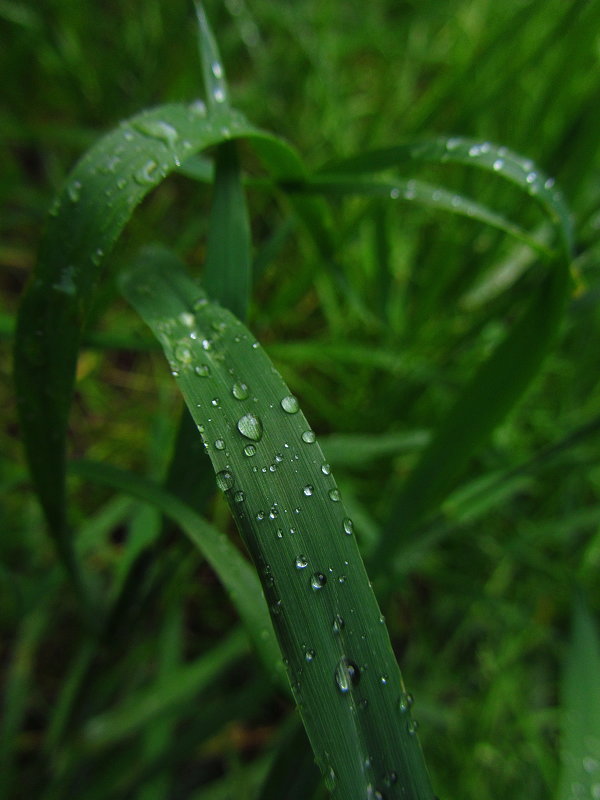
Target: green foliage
{"x": 418, "y": 292}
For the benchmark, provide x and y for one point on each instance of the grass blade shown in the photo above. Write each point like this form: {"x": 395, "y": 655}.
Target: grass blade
{"x": 212, "y": 65}
{"x": 233, "y": 570}
{"x": 581, "y": 710}
{"x": 341, "y": 665}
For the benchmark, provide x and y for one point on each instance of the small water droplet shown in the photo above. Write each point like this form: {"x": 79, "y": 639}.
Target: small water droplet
{"x": 531, "y": 177}
{"x": 251, "y": 427}
{"x": 308, "y": 490}
{"x": 218, "y": 94}
{"x": 549, "y": 183}
{"x": 74, "y": 191}
{"x": 279, "y": 533}
{"x": 412, "y": 726}
{"x": 348, "y": 526}
{"x": 390, "y": 778}
{"x": 199, "y": 304}
{"x": 278, "y": 458}
{"x": 249, "y": 450}
{"x": 330, "y": 779}
{"x": 384, "y": 679}
{"x": 405, "y": 702}
{"x": 498, "y": 164}
{"x": 347, "y": 675}
{"x": 309, "y": 437}
{"x": 274, "y": 512}
{"x": 318, "y": 580}
{"x": 338, "y": 624}
{"x": 290, "y": 404}
{"x": 216, "y": 69}
{"x": 395, "y": 193}
{"x": 334, "y": 494}
{"x": 198, "y": 108}
{"x": 325, "y": 469}
{"x": 206, "y": 344}
{"x": 474, "y": 150}
{"x": 215, "y": 402}
{"x": 301, "y": 562}
{"x": 144, "y": 175}
{"x": 239, "y": 496}
{"x": 309, "y": 655}
{"x": 363, "y": 704}
{"x": 183, "y": 354}
{"x": 202, "y": 370}
{"x": 260, "y": 516}
{"x": 219, "y": 444}
{"x": 240, "y": 391}
{"x": 224, "y": 480}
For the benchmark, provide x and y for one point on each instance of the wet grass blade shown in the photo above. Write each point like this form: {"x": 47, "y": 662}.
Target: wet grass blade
{"x": 581, "y": 710}
{"x": 288, "y": 508}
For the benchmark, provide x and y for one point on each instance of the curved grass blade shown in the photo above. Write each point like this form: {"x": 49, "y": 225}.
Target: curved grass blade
{"x": 581, "y": 710}
{"x": 233, "y": 570}
{"x": 85, "y": 221}
{"x": 483, "y": 155}
{"x": 425, "y": 194}
{"x": 287, "y": 506}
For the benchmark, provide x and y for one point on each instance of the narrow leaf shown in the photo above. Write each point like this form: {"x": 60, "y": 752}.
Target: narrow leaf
{"x": 287, "y": 506}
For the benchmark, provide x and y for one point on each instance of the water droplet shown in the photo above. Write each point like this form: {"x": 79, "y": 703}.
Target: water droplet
{"x": 260, "y": 516}
{"x": 279, "y": 533}
{"x": 395, "y": 193}
{"x": 218, "y": 94}
{"x": 224, "y": 480}
{"x": 309, "y": 437}
{"x": 325, "y": 469}
{"x": 290, "y": 404}
{"x": 249, "y": 450}
{"x": 240, "y": 391}
{"x": 531, "y": 177}
{"x": 216, "y": 69}
{"x": 301, "y": 562}
{"x": 308, "y": 490}
{"x": 405, "y": 702}
{"x": 278, "y": 458}
{"x": 498, "y": 164}
{"x": 215, "y": 402}
{"x": 390, "y": 778}
{"x": 309, "y": 655}
{"x": 591, "y": 764}
{"x": 474, "y": 150}
{"x": 318, "y": 580}
{"x": 384, "y": 679}
{"x": 199, "y": 304}
{"x": 549, "y": 183}
{"x": 198, "y": 108}
{"x": 74, "y": 191}
{"x": 219, "y": 444}
{"x": 452, "y": 144}
{"x": 157, "y": 129}
{"x": 338, "y": 624}
{"x": 330, "y": 779}
{"x": 347, "y": 675}
{"x": 202, "y": 370}
{"x": 183, "y": 354}
{"x": 250, "y": 426}
{"x": 239, "y": 496}
{"x": 274, "y": 512}
{"x": 363, "y": 704}
{"x": 144, "y": 176}
{"x": 348, "y": 526}
{"x": 334, "y": 494}
{"x": 412, "y": 727}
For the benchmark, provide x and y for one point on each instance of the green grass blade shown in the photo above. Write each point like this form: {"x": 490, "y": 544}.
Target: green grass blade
{"x": 227, "y": 273}
{"x": 581, "y": 710}
{"x": 165, "y": 695}
{"x": 340, "y": 662}
{"x": 483, "y": 155}
{"x": 489, "y": 395}
{"x": 425, "y": 194}
{"x": 212, "y": 65}
{"x": 233, "y": 570}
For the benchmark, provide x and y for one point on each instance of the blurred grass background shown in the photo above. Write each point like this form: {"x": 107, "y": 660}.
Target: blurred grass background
{"x": 375, "y": 343}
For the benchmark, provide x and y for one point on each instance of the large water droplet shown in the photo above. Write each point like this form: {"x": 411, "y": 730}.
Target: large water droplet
{"x": 301, "y": 562}
{"x": 157, "y": 129}
{"x": 219, "y": 444}
{"x": 240, "y": 391}
{"x": 250, "y": 426}
{"x": 290, "y": 404}
{"x": 224, "y": 480}
{"x": 347, "y": 675}
{"x": 309, "y": 437}
{"x": 318, "y": 580}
